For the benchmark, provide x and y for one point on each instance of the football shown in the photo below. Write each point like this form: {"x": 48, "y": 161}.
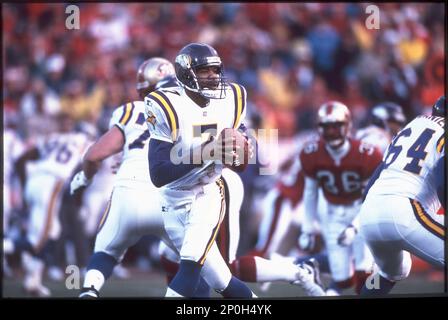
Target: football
{"x": 240, "y": 158}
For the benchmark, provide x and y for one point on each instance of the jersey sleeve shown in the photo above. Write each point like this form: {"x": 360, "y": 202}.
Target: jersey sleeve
{"x": 306, "y": 159}
{"x": 240, "y": 102}
{"x": 157, "y": 121}
{"x": 121, "y": 116}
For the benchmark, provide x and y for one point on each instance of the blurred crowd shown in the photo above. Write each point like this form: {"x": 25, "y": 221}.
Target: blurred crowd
{"x": 291, "y": 57}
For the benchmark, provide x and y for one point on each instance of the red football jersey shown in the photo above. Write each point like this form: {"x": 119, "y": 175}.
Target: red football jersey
{"x": 341, "y": 182}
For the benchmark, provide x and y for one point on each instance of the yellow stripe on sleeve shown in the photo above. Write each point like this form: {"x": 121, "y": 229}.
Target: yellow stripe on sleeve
{"x": 164, "y": 104}
{"x": 127, "y": 114}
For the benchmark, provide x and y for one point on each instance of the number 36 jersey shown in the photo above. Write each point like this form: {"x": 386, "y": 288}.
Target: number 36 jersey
{"x": 409, "y": 160}
{"x": 173, "y": 117}
{"x": 130, "y": 119}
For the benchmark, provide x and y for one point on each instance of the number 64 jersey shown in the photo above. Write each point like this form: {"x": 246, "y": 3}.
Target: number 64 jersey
{"x": 409, "y": 160}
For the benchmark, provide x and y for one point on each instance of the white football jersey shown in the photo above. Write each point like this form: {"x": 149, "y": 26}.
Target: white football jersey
{"x": 375, "y": 136}
{"x": 12, "y": 149}
{"x": 131, "y": 120}
{"x": 61, "y": 153}
{"x": 173, "y": 117}
{"x": 410, "y": 158}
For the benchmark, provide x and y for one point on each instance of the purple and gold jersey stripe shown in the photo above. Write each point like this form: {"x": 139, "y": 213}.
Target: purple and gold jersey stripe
{"x": 223, "y": 239}
{"x": 216, "y": 228}
{"x": 239, "y": 95}
{"x": 426, "y": 221}
{"x": 170, "y": 113}
{"x": 51, "y": 212}
{"x": 440, "y": 143}
{"x": 105, "y": 214}
{"x": 127, "y": 113}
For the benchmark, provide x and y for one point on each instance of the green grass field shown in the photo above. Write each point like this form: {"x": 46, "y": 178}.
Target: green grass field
{"x": 152, "y": 284}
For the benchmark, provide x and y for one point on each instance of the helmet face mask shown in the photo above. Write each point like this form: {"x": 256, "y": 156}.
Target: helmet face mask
{"x": 334, "y": 123}
{"x": 334, "y": 133}
{"x": 199, "y": 69}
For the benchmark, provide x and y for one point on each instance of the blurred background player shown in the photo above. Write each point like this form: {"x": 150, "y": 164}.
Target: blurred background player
{"x": 385, "y": 120}
{"x": 13, "y": 147}
{"x": 399, "y": 215}
{"x": 340, "y": 166}
{"x": 55, "y": 158}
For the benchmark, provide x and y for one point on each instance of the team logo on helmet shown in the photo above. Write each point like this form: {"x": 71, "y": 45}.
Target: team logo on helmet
{"x": 184, "y": 60}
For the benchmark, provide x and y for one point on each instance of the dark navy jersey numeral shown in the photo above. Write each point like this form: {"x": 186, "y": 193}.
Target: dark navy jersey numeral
{"x": 417, "y": 151}
{"x": 64, "y": 154}
{"x": 395, "y": 150}
{"x": 139, "y": 143}
{"x": 205, "y": 131}
{"x": 140, "y": 119}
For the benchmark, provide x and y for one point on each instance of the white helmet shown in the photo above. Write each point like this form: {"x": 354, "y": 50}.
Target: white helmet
{"x": 334, "y": 121}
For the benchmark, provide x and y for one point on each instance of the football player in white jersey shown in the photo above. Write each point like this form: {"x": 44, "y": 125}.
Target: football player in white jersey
{"x": 150, "y": 77}
{"x": 126, "y": 218}
{"x": 12, "y": 148}
{"x": 398, "y": 216}
{"x": 386, "y": 119}
{"x": 55, "y": 158}
{"x": 184, "y": 123}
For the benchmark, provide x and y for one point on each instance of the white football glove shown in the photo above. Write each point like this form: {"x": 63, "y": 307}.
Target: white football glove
{"x": 347, "y": 236}
{"x": 78, "y": 181}
{"x": 307, "y": 241}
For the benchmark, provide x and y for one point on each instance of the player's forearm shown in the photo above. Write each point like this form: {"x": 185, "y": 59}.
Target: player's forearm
{"x": 161, "y": 169}
{"x": 90, "y": 168}
{"x": 20, "y": 164}
{"x": 107, "y": 145}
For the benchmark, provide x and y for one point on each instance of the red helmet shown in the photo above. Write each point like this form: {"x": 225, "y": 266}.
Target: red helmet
{"x": 152, "y": 71}
{"x": 334, "y": 123}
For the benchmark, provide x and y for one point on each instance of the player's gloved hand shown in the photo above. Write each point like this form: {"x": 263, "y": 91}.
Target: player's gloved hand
{"x": 347, "y": 236}
{"x": 79, "y": 181}
{"x": 221, "y": 148}
{"x": 307, "y": 242}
